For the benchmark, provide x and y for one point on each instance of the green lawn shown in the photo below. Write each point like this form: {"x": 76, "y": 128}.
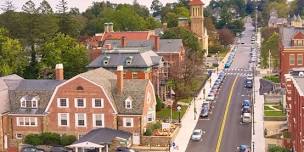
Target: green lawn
{"x": 267, "y": 107}
{"x": 274, "y": 113}
{"x": 187, "y": 100}
{"x": 164, "y": 114}
{"x": 273, "y": 78}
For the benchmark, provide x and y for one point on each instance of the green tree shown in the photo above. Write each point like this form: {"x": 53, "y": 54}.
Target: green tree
{"x": 33, "y": 139}
{"x": 63, "y": 49}
{"x": 189, "y": 39}
{"x": 45, "y": 8}
{"x": 272, "y": 44}
{"x": 226, "y": 36}
{"x": 12, "y": 58}
{"x": 29, "y": 7}
{"x": 67, "y": 139}
{"x": 156, "y": 7}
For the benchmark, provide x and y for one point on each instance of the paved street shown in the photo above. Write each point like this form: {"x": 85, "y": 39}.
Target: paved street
{"x": 223, "y": 129}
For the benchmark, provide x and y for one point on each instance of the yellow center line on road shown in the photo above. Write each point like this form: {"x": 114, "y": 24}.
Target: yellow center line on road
{"x": 219, "y": 140}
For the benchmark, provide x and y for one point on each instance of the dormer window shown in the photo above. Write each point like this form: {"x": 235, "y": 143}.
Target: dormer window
{"x": 29, "y": 102}
{"x": 106, "y": 60}
{"x": 128, "y": 103}
{"x": 129, "y": 60}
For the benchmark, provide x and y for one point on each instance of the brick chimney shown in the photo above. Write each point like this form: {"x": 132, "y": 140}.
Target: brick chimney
{"x": 123, "y": 42}
{"x": 59, "y": 72}
{"x": 119, "y": 81}
{"x": 106, "y": 27}
{"x": 110, "y": 27}
{"x": 156, "y": 43}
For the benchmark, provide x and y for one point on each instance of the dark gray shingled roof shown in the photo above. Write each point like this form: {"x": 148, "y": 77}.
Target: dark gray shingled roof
{"x": 134, "y": 88}
{"x": 140, "y": 59}
{"x": 103, "y": 136}
{"x": 29, "y": 89}
{"x": 166, "y": 45}
{"x": 287, "y": 34}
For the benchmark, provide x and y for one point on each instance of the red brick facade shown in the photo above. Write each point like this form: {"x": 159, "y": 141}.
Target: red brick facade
{"x": 80, "y": 87}
{"x": 295, "y": 111}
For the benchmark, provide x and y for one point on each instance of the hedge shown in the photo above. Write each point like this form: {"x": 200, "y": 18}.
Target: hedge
{"x": 49, "y": 138}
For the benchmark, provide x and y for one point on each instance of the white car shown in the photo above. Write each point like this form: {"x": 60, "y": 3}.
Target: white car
{"x": 210, "y": 97}
{"x": 197, "y": 134}
{"x": 246, "y": 117}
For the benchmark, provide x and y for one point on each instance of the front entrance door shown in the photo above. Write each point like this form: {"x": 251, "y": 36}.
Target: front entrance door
{"x": 136, "y": 138}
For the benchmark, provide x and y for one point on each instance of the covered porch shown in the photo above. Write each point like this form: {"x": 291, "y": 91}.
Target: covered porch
{"x": 102, "y": 140}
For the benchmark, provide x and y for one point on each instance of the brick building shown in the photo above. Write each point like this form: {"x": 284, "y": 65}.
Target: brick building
{"x": 295, "y": 107}
{"x": 291, "y": 50}
{"x": 90, "y": 100}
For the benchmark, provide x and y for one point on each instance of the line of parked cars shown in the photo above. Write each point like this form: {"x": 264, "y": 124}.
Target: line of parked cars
{"x": 211, "y": 95}
{"x": 230, "y": 58}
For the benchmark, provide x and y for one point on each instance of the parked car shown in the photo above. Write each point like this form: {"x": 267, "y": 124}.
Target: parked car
{"x": 246, "y": 103}
{"x": 206, "y": 104}
{"x": 245, "y": 109}
{"x": 243, "y": 148}
{"x": 210, "y": 97}
{"x": 197, "y": 134}
{"x": 205, "y": 112}
{"x": 246, "y": 117}
{"x": 124, "y": 149}
{"x": 60, "y": 149}
{"x": 31, "y": 149}
{"x": 248, "y": 84}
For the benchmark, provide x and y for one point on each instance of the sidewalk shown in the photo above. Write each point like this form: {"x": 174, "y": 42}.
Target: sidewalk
{"x": 258, "y": 139}
{"x": 188, "y": 122}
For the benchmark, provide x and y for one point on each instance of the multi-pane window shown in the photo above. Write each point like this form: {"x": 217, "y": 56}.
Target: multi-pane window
{"x": 300, "y": 59}
{"x": 29, "y": 103}
{"x": 98, "y": 120}
{"x": 62, "y": 103}
{"x": 150, "y": 117}
{"x": 27, "y": 121}
{"x": 128, "y": 122}
{"x": 80, "y": 103}
{"x": 291, "y": 59}
{"x": 80, "y": 119}
{"x": 63, "y": 119}
{"x": 128, "y": 104}
{"x": 97, "y": 103}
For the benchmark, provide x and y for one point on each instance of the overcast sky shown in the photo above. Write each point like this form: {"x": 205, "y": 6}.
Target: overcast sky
{"x": 83, "y": 4}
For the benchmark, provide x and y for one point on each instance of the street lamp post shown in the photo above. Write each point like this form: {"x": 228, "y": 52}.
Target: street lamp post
{"x": 179, "y": 111}
{"x": 194, "y": 107}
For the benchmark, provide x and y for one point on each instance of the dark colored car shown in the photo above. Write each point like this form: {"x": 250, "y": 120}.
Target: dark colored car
{"x": 124, "y": 149}
{"x": 31, "y": 149}
{"x": 248, "y": 84}
{"x": 60, "y": 149}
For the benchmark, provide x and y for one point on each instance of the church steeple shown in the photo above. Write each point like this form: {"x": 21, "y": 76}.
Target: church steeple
{"x": 197, "y": 22}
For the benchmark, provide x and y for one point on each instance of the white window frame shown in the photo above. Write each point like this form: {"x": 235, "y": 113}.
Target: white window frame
{"x": 59, "y": 119}
{"x": 24, "y": 118}
{"x": 152, "y": 117}
{"x": 22, "y": 103}
{"x": 58, "y": 103}
{"x": 85, "y": 120}
{"x": 102, "y": 103}
{"x": 76, "y": 102}
{"x": 34, "y": 101}
{"x": 94, "y": 120}
{"x": 125, "y": 120}
{"x": 128, "y": 100}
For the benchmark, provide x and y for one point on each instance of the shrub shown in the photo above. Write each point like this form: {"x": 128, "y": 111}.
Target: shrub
{"x": 274, "y": 148}
{"x": 148, "y": 132}
{"x": 33, "y": 139}
{"x": 156, "y": 125}
{"x": 159, "y": 104}
{"x": 49, "y": 138}
{"x": 67, "y": 139}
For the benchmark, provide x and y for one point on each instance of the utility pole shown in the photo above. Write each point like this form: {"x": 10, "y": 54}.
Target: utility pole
{"x": 269, "y": 61}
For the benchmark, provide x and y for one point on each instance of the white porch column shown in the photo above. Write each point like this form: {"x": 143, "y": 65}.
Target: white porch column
{"x": 107, "y": 148}
{"x": 76, "y": 149}
{"x": 100, "y": 149}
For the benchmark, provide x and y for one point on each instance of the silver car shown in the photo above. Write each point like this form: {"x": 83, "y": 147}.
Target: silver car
{"x": 197, "y": 134}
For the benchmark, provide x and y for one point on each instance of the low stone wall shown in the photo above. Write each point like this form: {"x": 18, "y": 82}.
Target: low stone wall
{"x": 275, "y": 118}
{"x": 159, "y": 141}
